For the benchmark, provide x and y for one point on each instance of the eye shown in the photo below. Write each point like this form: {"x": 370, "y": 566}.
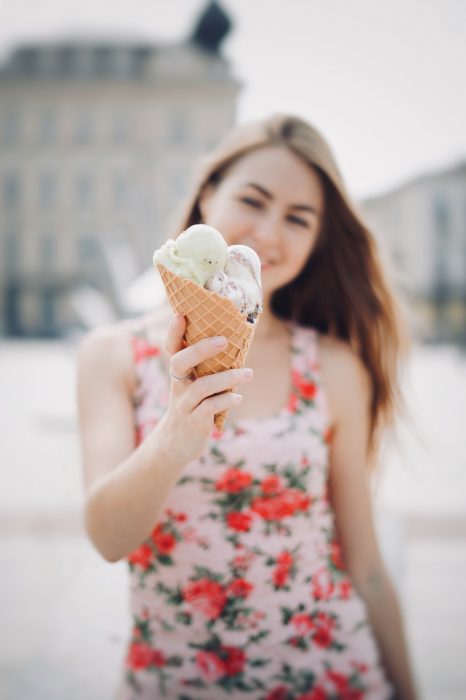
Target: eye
{"x": 250, "y": 201}
{"x": 297, "y": 220}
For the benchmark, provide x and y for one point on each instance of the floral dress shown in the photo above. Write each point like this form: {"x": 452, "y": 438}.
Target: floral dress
{"x": 240, "y": 591}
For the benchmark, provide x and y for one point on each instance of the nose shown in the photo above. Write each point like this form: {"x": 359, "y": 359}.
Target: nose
{"x": 267, "y": 230}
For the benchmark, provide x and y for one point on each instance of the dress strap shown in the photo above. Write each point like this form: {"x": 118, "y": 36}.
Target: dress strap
{"x": 307, "y": 376}
{"x": 151, "y": 388}
{"x": 142, "y": 345}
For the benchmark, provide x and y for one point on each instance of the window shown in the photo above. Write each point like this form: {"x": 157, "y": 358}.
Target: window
{"x": 11, "y": 249}
{"x": 47, "y": 128}
{"x": 10, "y": 127}
{"x": 65, "y": 58}
{"x": 88, "y": 251}
{"x": 83, "y": 129}
{"x": 121, "y": 62}
{"x": 103, "y": 61}
{"x": 441, "y": 217}
{"x": 441, "y": 247}
{"x": 47, "y": 251}
{"x": 84, "y": 193}
{"x": 120, "y": 127}
{"x": 47, "y": 190}
{"x": 11, "y": 190}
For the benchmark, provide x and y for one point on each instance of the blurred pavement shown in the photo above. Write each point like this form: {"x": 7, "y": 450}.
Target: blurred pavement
{"x": 64, "y": 619}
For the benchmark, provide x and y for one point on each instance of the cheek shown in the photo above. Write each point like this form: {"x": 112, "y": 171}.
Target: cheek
{"x": 301, "y": 249}
{"x": 231, "y": 222}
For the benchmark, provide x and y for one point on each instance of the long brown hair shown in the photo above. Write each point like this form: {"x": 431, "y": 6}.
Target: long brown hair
{"x": 342, "y": 290}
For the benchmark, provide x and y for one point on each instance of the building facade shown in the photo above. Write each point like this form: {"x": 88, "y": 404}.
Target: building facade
{"x": 97, "y": 147}
{"x": 421, "y": 226}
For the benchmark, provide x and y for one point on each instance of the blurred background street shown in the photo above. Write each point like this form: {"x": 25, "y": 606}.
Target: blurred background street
{"x": 104, "y": 112}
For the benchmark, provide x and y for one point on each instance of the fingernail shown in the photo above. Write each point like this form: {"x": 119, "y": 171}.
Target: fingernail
{"x": 248, "y": 372}
{"x": 218, "y": 341}
{"x": 237, "y": 398}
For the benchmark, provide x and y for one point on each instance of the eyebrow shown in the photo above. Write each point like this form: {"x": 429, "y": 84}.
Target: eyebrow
{"x": 268, "y": 195}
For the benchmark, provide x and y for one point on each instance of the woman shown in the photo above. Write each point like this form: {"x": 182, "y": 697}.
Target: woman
{"x": 254, "y": 564}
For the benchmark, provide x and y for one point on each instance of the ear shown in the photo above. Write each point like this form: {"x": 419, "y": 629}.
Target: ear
{"x": 204, "y": 201}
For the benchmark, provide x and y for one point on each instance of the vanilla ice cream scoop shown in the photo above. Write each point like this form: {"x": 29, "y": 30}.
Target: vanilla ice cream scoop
{"x": 197, "y": 253}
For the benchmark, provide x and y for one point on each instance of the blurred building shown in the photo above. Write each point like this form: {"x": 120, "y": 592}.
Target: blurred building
{"x": 97, "y": 145}
{"x": 422, "y": 227}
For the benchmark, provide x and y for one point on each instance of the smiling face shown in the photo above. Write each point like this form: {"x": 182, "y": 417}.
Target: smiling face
{"x": 272, "y": 201}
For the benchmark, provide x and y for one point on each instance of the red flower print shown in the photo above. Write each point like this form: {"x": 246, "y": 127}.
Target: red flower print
{"x": 306, "y": 389}
{"x": 278, "y": 693}
{"x": 233, "y": 481}
{"x": 271, "y": 484}
{"x": 158, "y": 659}
{"x": 143, "y": 557}
{"x": 324, "y": 626}
{"x": 341, "y": 683}
{"x": 336, "y": 555}
{"x": 244, "y": 561}
{"x": 143, "y": 349}
{"x": 280, "y": 577}
{"x": 292, "y": 404}
{"x": 285, "y": 559}
{"x": 179, "y": 517}
{"x": 164, "y": 541}
{"x": 322, "y": 586}
{"x": 329, "y": 434}
{"x": 282, "y": 505}
{"x": 210, "y": 665}
{"x": 206, "y": 596}
{"x": 344, "y": 588}
{"x": 323, "y": 637}
{"x": 240, "y": 588}
{"x": 303, "y": 623}
{"x": 138, "y": 434}
{"x": 142, "y": 655}
{"x": 360, "y": 666}
{"x": 284, "y": 564}
{"x": 239, "y": 521}
{"x": 233, "y": 659}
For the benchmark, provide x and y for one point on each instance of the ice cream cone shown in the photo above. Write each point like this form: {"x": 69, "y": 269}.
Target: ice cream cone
{"x": 209, "y": 314}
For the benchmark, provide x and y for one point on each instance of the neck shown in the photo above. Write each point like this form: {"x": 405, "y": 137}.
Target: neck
{"x": 269, "y": 325}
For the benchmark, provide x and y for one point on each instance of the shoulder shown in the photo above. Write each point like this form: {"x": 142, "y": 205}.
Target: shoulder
{"x": 106, "y": 350}
{"x": 109, "y": 349}
{"x": 345, "y": 377}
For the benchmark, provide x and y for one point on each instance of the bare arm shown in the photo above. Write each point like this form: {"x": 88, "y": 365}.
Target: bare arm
{"x": 126, "y": 487}
{"x": 349, "y": 392}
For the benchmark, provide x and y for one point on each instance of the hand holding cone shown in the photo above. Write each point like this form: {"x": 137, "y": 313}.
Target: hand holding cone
{"x": 208, "y": 313}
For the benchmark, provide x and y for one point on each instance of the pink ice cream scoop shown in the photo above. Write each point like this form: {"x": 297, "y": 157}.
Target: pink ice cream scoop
{"x": 240, "y": 281}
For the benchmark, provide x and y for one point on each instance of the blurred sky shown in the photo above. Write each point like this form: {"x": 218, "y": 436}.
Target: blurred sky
{"x": 384, "y": 80}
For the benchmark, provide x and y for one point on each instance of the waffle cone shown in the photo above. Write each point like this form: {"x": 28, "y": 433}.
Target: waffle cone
{"x": 209, "y": 314}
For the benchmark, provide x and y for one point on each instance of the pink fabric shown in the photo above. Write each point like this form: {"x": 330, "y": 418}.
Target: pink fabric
{"x": 240, "y": 591}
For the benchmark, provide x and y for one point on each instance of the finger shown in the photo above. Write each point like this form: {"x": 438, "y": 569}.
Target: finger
{"x": 183, "y": 362}
{"x": 215, "y": 384}
{"x": 216, "y": 404}
{"x": 175, "y": 333}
